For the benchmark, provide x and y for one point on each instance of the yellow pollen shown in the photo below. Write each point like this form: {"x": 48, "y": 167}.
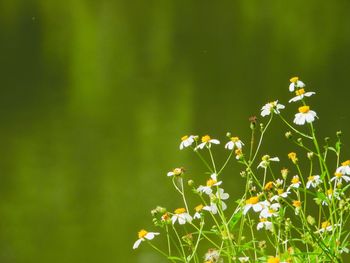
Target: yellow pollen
{"x": 294, "y": 79}
{"x": 268, "y": 186}
{"x": 338, "y": 175}
{"x": 273, "y": 260}
{"x": 295, "y": 180}
{"x": 252, "y": 201}
{"x": 199, "y": 208}
{"x": 234, "y": 139}
{"x": 206, "y": 138}
{"x": 325, "y": 224}
{"x": 180, "y": 211}
{"x": 177, "y": 171}
{"x": 142, "y": 233}
{"x": 346, "y": 163}
{"x": 211, "y": 182}
{"x": 292, "y": 156}
{"x": 183, "y": 138}
{"x": 280, "y": 191}
{"x": 296, "y": 203}
{"x": 299, "y": 92}
{"x": 311, "y": 178}
{"x": 304, "y": 109}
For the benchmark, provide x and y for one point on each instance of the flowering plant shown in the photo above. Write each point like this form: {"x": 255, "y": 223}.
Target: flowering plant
{"x": 301, "y": 211}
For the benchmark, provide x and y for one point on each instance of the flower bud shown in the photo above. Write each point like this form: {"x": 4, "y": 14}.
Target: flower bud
{"x": 228, "y": 134}
{"x": 339, "y": 133}
{"x": 190, "y": 182}
{"x": 288, "y": 135}
{"x": 310, "y": 155}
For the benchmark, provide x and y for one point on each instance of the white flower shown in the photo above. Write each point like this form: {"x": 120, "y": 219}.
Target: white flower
{"x": 264, "y": 223}
{"x": 270, "y": 211}
{"x": 344, "y": 168}
{"x": 234, "y": 142}
{"x": 217, "y": 199}
{"x": 339, "y": 177}
{"x": 198, "y": 210}
{"x": 143, "y": 235}
{"x": 326, "y": 227}
{"x": 243, "y": 259}
{"x": 331, "y": 194}
{"x": 295, "y": 182}
{"x": 304, "y": 115}
{"x": 175, "y": 172}
{"x": 265, "y": 161}
{"x": 279, "y": 182}
{"x": 206, "y": 141}
{"x": 295, "y": 83}
{"x": 313, "y": 180}
{"x": 181, "y": 216}
{"x": 210, "y": 183}
{"x": 187, "y": 141}
{"x": 300, "y": 94}
{"x": 271, "y": 107}
{"x": 253, "y": 202}
{"x": 280, "y": 194}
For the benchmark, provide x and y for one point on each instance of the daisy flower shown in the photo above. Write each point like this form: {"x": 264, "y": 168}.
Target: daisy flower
{"x": 326, "y": 226}
{"x": 344, "y": 168}
{"x": 270, "y": 211}
{"x": 297, "y": 205}
{"x": 187, "y": 141}
{"x": 217, "y": 199}
{"x": 143, "y": 235}
{"x": 304, "y": 115}
{"x": 313, "y": 180}
{"x": 280, "y": 194}
{"x": 210, "y": 183}
{"x": 338, "y": 178}
{"x": 181, "y": 216}
{"x": 295, "y": 182}
{"x": 253, "y": 202}
{"x": 265, "y": 161}
{"x": 271, "y": 107}
{"x": 234, "y": 142}
{"x": 295, "y": 83}
{"x": 300, "y": 94}
{"x": 176, "y": 172}
{"x": 206, "y": 141}
{"x": 198, "y": 210}
{"x": 330, "y": 193}
{"x": 264, "y": 224}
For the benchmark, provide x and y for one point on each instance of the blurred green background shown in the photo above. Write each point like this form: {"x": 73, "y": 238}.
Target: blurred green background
{"x": 96, "y": 94}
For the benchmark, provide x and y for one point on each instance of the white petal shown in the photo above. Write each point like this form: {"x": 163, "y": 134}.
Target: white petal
{"x": 170, "y": 173}
{"x": 291, "y": 87}
{"x": 229, "y": 145}
{"x": 214, "y": 141}
{"x": 137, "y": 243}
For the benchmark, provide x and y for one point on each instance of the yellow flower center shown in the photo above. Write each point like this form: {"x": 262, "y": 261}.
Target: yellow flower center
{"x": 296, "y": 203}
{"x": 263, "y": 219}
{"x": 180, "y": 211}
{"x": 338, "y": 175}
{"x": 311, "y": 178}
{"x": 268, "y": 186}
{"x": 211, "y": 182}
{"x": 325, "y": 224}
{"x": 304, "y": 109}
{"x": 252, "y": 201}
{"x": 238, "y": 152}
{"x": 177, "y": 171}
{"x": 265, "y": 158}
{"x": 273, "y": 260}
{"x": 184, "y": 138}
{"x": 206, "y": 138}
{"x": 280, "y": 191}
{"x": 294, "y": 79}
{"x": 346, "y": 163}
{"x": 199, "y": 208}
{"x": 295, "y": 180}
{"x": 142, "y": 233}
{"x": 330, "y": 191}
{"x": 292, "y": 156}
{"x": 234, "y": 139}
{"x": 299, "y": 92}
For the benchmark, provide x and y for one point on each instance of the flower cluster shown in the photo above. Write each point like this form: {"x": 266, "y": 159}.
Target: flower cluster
{"x": 303, "y": 209}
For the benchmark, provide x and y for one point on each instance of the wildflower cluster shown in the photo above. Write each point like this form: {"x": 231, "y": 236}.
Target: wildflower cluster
{"x": 297, "y": 214}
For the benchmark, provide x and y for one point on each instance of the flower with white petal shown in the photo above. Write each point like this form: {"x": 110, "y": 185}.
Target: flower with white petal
{"x": 270, "y": 107}
{"x": 264, "y": 224}
{"x": 198, "y": 210}
{"x": 326, "y": 226}
{"x": 295, "y": 182}
{"x": 210, "y": 183}
{"x": 187, "y": 141}
{"x": 176, "y": 172}
{"x": 339, "y": 177}
{"x": 344, "y": 168}
{"x": 253, "y": 202}
{"x": 181, "y": 216}
{"x": 313, "y": 180}
{"x": 280, "y": 194}
{"x": 234, "y": 142}
{"x": 304, "y": 115}
{"x": 143, "y": 235}
{"x": 265, "y": 161}
{"x": 279, "y": 182}
{"x": 295, "y": 83}
{"x": 207, "y": 141}
{"x": 297, "y": 205}
{"x": 271, "y": 210}
{"x": 217, "y": 199}
{"x": 300, "y": 94}
{"x": 330, "y": 194}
